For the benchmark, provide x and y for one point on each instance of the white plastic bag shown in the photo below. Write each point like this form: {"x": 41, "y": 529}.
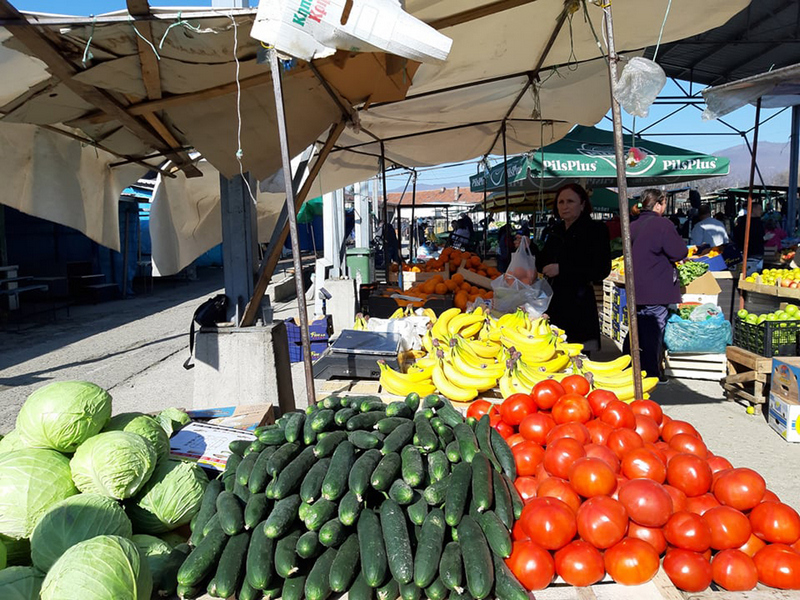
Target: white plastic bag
{"x": 523, "y": 265}
{"x": 639, "y": 85}
{"x": 410, "y": 329}
{"x": 520, "y": 287}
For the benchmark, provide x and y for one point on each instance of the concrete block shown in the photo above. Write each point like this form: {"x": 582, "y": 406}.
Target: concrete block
{"x": 342, "y": 303}
{"x": 238, "y": 366}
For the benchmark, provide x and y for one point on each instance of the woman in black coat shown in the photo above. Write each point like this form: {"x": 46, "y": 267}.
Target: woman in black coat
{"x": 576, "y": 253}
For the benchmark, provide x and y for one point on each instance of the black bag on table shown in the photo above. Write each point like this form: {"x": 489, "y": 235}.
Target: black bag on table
{"x": 209, "y": 313}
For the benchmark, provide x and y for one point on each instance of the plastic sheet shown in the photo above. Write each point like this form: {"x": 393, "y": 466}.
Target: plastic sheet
{"x": 712, "y": 335}
{"x": 639, "y": 85}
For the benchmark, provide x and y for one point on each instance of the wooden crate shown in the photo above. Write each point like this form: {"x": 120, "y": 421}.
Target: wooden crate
{"x": 410, "y": 278}
{"x": 710, "y": 367}
{"x": 747, "y": 378}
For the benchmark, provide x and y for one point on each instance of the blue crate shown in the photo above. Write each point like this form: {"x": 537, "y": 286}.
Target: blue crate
{"x": 296, "y": 351}
{"x": 319, "y": 330}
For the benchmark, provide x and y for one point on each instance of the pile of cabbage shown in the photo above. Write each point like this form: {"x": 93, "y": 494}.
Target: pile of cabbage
{"x": 89, "y": 504}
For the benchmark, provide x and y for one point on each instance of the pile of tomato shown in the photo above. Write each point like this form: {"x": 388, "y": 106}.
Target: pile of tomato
{"x": 623, "y": 489}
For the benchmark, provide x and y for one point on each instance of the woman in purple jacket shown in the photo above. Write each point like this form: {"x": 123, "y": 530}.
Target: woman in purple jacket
{"x": 656, "y": 247}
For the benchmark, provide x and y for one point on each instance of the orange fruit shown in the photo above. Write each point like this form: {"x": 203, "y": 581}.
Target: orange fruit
{"x": 440, "y": 288}
{"x": 474, "y": 261}
{"x": 482, "y": 273}
{"x": 474, "y": 290}
{"x": 429, "y": 286}
{"x": 450, "y": 285}
{"x": 460, "y": 300}
{"x": 458, "y": 278}
{"x": 465, "y": 287}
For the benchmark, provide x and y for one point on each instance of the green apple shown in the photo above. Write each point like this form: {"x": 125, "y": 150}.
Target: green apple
{"x": 742, "y": 313}
{"x": 772, "y": 317}
{"x": 752, "y": 319}
{"x": 761, "y": 319}
{"x": 792, "y": 309}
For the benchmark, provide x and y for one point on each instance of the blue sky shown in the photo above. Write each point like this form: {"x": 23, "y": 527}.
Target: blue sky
{"x": 687, "y": 121}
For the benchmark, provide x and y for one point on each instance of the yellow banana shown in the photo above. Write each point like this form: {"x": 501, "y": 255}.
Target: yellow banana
{"x": 627, "y": 394}
{"x": 439, "y": 329}
{"x": 611, "y": 366}
{"x": 449, "y": 390}
{"x": 470, "y": 331}
{"x": 396, "y": 383}
{"x": 479, "y": 371}
{"x": 558, "y": 363}
{"x": 426, "y": 361}
{"x": 463, "y": 354}
{"x": 464, "y": 320}
{"x": 403, "y": 378}
{"x": 482, "y": 349}
{"x": 427, "y": 342}
{"x": 428, "y": 312}
{"x": 506, "y": 387}
{"x": 612, "y": 383}
{"x": 571, "y": 349}
{"x": 398, "y": 314}
{"x": 467, "y": 381}
{"x": 539, "y": 350}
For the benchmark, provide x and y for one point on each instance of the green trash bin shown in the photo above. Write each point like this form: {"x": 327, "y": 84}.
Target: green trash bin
{"x": 361, "y": 265}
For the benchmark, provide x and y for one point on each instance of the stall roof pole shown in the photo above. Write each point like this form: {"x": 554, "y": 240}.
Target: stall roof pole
{"x": 505, "y": 173}
{"x": 386, "y": 266}
{"x": 794, "y": 158}
{"x": 750, "y": 198}
{"x": 296, "y": 258}
{"x": 485, "y": 215}
{"x": 624, "y": 216}
{"x": 413, "y": 229}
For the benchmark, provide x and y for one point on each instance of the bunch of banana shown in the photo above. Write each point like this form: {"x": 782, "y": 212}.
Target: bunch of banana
{"x": 517, "y": 321}
{"x": 360, "y": 323}
{"x": 534, "y": 346}
{"x": 621, "y": 382}
{"x": 398, "y": 314}
{"x": 440, "y": 329}
{"x": 418, "y": 380}
{"x": 451, "y": 389}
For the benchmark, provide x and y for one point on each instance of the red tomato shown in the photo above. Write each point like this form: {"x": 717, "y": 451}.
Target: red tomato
{"x": 658, "y": 451}
{"x": 527, "y": 457}
{"x": 646, "y": 502}
{"x": 701, "y": 504}
{"x": 598, "y": 430}
{"x": 623, "y": 440}
{"x": 592, "y": 477}
{"x": 664, "y": 420}
{"x": 688, "y": 531}
{"x": 631, "y": 562}
{"x": 602, "y": 521}
{"x": 579, "y": 563}
{"x": 536, "y": 426}
{"x": 643, "y": 463}
{"x": 718, "y": 463}
{"x": 689, "y": 473}
{"x": 545, "y": 393}
{"x": 576, "y": 384}
{"x": 532, "y": 565}
{"x": 515, "y": 439}
{"x": 734, "y": 571}
{"x": 729, "y": 527}
{"x": 555, "y": 487}
{"x": 503, "y": 428}
{"x": 647, "y": 429}
{"x": 518, "y": 533}
{"x": 603, "y": 453}
{"x": 647, "y": 408}
{"x": 599, "y": 399}
{"x": 652, "y": 535}
{"x": 549, "y": 522}
{"x": 678, "y": 498}
{"x": 673, "y": 427}
{"x": 574, "y": 430}
{"x": 752, "y": 545}
{"x": 618, "y": 414}
{"x": 686, "y": 443}
{"x": 526, "y": 486}
{"x": 740, "y": 488}
{"x": 481, "y": 407}
{"x": 689, "y": 571}
{"x": 778, "y": 566}
{"x": 515, "y": 408}
{"x": 775, "y": 522}
{"x": 560, "y": 454}
{"x": 770, "y": 496}
{"x": 572, "y": 407}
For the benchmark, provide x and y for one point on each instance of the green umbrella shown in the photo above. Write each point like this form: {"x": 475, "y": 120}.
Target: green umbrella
{"x": 310, "y": 209}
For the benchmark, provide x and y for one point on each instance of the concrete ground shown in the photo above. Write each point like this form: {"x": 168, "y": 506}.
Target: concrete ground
{"x": 135, "y": 348}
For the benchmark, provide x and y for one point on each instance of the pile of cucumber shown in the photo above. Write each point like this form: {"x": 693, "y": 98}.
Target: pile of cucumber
{"x": 406, "y": 500}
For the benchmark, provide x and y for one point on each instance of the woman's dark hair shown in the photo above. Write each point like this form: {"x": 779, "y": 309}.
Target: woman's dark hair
{"x": 582, "y": 194}
{"x": 647, "y": 201}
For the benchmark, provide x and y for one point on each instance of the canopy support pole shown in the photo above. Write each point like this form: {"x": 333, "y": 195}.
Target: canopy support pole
{"x": 505, "y": 172}
{"x": 286, "y": 158}
{"x": 794, "y": 157}
{"x": 385, "y": 213}
{"x": 485, "y": 213}
{"x": 754, "y": 154}
{"x": 414, "y": 230}
{"x": 624, "y": 216}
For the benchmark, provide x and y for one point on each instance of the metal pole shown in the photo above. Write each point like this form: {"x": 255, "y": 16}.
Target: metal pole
{"x": 412, "y": 255}
{"x": 485, "y": 212}
{"x": 624, "y": 216}
{"x": 385, "y": 213}
{"x": 505, "y": 173}
{"x": 399, "y": 246}
{"x": 750, "y": 199}
{"x": 794, "y": 158}
{"x": 125, "y": 256}
{"x": 280, "y": 111}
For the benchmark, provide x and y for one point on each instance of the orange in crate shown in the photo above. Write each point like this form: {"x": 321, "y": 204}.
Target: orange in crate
{"x": 440, "y": 288}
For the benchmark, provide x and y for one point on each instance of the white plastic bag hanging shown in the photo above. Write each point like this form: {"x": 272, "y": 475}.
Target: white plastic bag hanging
{"x": 639, "y": 85}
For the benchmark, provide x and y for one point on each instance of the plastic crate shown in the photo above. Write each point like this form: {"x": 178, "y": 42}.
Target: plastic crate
{"x": 296, "y": 351}
{"x": 319, "y": 330}
{"x": 768, "y": 338}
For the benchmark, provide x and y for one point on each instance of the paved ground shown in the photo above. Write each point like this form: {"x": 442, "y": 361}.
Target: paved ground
{"x": 135, "y": 348}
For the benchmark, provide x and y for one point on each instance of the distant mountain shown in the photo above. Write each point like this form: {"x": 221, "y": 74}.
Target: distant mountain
{"x": 772, "y": 160}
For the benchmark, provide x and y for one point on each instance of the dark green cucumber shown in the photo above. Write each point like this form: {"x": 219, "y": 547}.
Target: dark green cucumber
{"x": 320, "y": 513}
{"x": 482, "y": 491}
{"x": 322, "y": 420}
{"x": 230, "y": 569}
{"x": 450, "y": 416}
{"x": 389, "y": 591}
{"x": 231, "y": 515}
{"x": 516, "y": 499}
{"x": 370, "y": 404}
{"x": 429, "y": 548}
{"x": 432, "y": 401}
{"x": 410, "y": 591}
{"x": 272, "y": 437}
{"x": 497, "y": 535}
{"x": 428, "y": 440}
{"x": 413, "y": 469}
{"x": 349, "y": 508}
{"x": 374, "y": 563}
{"x": 211, "y": 524}
{"x": 445, "y": 432}
{"x": 231, "y": 465}
{"x": 502, "y": 501}
{"x": 286, "y": 560}
{"x": 452, "y": 452}
{"x": 366, "y": 420}
{"x": 504, "y": 455}
{"x": 311, "y": 486}
{"x": 294, "y": 588}
{"x": 428, "y": 413}
{"x": 274, "y": 592}
{"x": 386, "y": 472}
{"x": 282, "y": 457}
{"x": 282, "y": 516}
{"x": 327, "y": 445}
{"x": 451, "y": 570}
{"x": 309, "y": 435}
{"x": 345, "y": 565}
{"x": 434, "y": 494}
{"x": 208, "y": 506}
{"x": 318, "y": 585}
{"x": 437, "y": 590}
{"x": 398, "y": 438}
{"x": 438, "y": 466}
{"x": 396, "y": 541}
{"x": 399, "y": 409}
{"x": 255, "y": 446}
{"x": 477, "y": 557}
{"x": 483, "y": 433}
{"x": 343, "y": 414}
{"x": 258, "y": 476}
{"x": 302, "y": 511}
{"x": 239, "y": 446}
{"x": 248, "y": 592}
{"x": 190, "y": 592}
{"x": 389, "y": 424}
{"x": 260, "y": 558}
{"x": 335, "y": 483}
{"x": 308, "y": 545}
{"x": 467, "y": 442}
{"x": 361, "y": 473}
{"x": 256, "y": 510}
{"x": 401, "y": 492}
{"x": 457, "y": 492}
{"x": 201, "y": 560}
{"x": 364, "y": 440}
{"x": 360, "y": 590}
{"x": 412, "y": 401}
{"x": 506, "y": 585}
{"x": 244, "y": 468}
{"x": 268, "y": 491}
{"x": 292, "y": 475}
{"x": 417, "y": 511}
{"x": 241, "y": 492}
{"x": 294, "y": 426}
{"x": 332, "y": 533}
{"x": 331, "y": 402}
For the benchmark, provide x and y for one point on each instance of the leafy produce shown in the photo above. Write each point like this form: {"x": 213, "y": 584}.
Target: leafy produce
{"x": 146, "y": 426}
{"x": 115, "y": 464}
{"x": 74, "y": 520}
{"x": 63, "y": 415}
{"x": 11, "y": 442}
{"x": 3, "y": 557}
{"x": 172, "y": 419}
{"x": 20, "y": 583}
{"x": 163, "y": 561}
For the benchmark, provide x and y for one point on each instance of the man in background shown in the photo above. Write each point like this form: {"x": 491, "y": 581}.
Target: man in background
{"x": 755, "y": 246}
{"x": 708, "y": 231}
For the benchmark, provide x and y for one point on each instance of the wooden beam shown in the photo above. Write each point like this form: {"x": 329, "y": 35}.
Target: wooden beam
{"x": 270, "y": 261}
{"x": 151, "y": 73}
{"x": 477, "y": 13}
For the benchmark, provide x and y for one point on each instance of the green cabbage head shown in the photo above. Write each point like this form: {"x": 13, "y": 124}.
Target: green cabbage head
{"x": 31, "y": 481}
{"x": 170, "y": 499}
{"x": 74, "y": 520}
{"x": 3, "y": 555}
{"x": 63, "y": 415}
{"x": 11, "y": 443}
{"x": 163, "y": 561}
{"x": 105, "y": 567}
{"x": 115, "y": 464}
{"x": 145, "y": 426}
{"x": 20, "y": 583}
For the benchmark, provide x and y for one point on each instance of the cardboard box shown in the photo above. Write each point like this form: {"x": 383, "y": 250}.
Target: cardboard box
{"x": 246, "y": 417}
{"x": 705, "y": 285}
{"x": 784, "y": 380}
{"x": 206, "y": 444}
{"x": 784, "y": 418}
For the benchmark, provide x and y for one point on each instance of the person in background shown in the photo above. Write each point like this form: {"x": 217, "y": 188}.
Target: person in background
{"x": 755, "y": 246}
{"x": 774, "y": 234}
{"x": 575, "y": 254}
{"x": 656, "y": 247}
{"x": 708, "y": 231}
{"x": 614, "y": 227}
{"x": 505, "y": 246}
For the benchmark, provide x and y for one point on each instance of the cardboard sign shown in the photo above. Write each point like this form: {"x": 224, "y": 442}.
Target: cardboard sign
{"x": 206, "y": 444}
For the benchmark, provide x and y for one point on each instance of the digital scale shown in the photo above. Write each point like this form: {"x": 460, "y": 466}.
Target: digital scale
{"x": 355, "y": 355}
